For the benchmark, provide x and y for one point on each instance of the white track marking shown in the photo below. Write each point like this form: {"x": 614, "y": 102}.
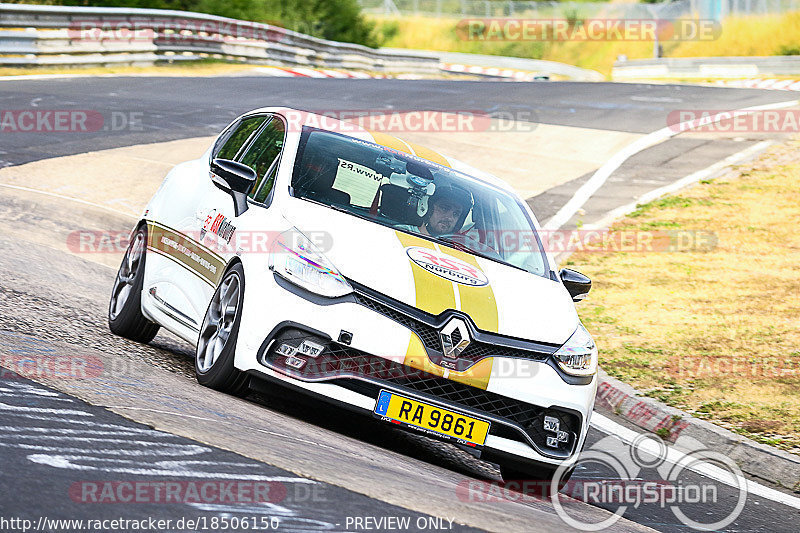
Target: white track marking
{"x": 611, "y": 216}
{"x": 602, "y": 174}
{"x": 81, "y": 431}
{"x": 182, "y": 415}
{"x": 70, "y": 198}
{"x": 168, "y": 450}
{"x": 163, "y": 468}
{"x": 23, "y": 409}
{"x": 606, "y": 425}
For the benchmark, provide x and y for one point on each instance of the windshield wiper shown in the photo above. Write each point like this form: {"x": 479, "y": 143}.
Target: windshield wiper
{"x": 457, "y": 245}
{"x": 464, "y": 248}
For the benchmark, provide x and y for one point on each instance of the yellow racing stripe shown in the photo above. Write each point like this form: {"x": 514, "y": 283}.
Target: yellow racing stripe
{"x": 390, "y": 141}
{"x": 434, "y": 294}
{"x": 396, "y": 143}
{"x": 430, "y": 155}
{"x": 477, "y": 302}
{"x": 476, "y": 376}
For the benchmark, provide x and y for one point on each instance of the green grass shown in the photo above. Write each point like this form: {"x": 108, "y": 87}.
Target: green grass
{"x": 711, "y": 330}
{"x": 755, "y": 35}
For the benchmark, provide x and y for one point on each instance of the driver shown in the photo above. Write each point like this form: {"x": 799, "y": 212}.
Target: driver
{"x": 447, "y": 209}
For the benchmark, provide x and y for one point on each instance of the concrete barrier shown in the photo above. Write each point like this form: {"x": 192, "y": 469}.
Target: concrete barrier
{"x": 706, "y": 67}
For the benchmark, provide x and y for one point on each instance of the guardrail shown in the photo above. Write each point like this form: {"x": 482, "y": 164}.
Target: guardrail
{"x": 492, "y": 64}
{"x": 63, "y": 35}
{"x": 706, "y": 67}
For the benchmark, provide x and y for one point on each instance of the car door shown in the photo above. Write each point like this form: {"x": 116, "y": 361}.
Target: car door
{"x": 198, "y": 224}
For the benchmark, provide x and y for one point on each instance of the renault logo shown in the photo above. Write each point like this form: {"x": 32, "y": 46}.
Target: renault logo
{"x": 454, "y": 337}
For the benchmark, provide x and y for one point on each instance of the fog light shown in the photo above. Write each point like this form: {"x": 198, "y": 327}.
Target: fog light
{"x": 295, "y": 362}
{"x": 311, "y": 349}
{"x": 551, "y": 424}
{"x": 285, "y": 349}
{"x": 557, "y": 437}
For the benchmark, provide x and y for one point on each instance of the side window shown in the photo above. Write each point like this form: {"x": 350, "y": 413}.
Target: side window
{"x": 236, "y": 137}
{"x": 262, "y": 156}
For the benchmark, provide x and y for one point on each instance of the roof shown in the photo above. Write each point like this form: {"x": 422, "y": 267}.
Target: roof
{"x": 299, "y": 118}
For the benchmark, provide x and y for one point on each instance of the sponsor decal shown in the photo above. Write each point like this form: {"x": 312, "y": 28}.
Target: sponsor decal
{"x": 218, "y": 224}
{"x": 447, "y": 267}
{"x": 197, "y": 258}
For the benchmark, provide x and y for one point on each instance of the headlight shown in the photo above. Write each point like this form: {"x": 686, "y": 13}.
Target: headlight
{"x": 296, "y": 258}
{"x": 578, "y": 356}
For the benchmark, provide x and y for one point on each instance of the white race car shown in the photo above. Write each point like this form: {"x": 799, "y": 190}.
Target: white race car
{"x": 370, "y": 272}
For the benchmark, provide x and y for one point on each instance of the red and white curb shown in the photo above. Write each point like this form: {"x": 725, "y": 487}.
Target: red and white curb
{"x": 761, "y": 83}
{"x": 303, "y": 72}
{"x": 509, "y": 73}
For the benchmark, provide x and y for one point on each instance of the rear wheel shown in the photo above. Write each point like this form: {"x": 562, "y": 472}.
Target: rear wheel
{"x": 125, "y": 316}
{"x": 216, "y": 345}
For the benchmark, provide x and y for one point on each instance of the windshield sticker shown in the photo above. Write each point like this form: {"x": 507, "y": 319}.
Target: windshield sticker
{"x": 360, "y": 182}
{"x": 447, "y": 266}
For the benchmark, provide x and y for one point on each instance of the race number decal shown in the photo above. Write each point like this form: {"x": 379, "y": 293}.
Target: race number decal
{"x": 447, "y": 266}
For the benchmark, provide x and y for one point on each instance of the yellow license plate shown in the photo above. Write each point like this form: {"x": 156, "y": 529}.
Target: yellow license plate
{"x": 432, "y": 419}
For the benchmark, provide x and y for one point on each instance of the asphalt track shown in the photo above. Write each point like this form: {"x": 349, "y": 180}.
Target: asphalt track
{"x": 54, "y": 306}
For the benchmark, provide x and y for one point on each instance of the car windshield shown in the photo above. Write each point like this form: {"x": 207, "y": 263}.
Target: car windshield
{"x": 414, "y": 195}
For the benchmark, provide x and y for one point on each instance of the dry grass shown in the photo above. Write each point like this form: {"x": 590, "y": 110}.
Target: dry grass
{"x": 764, "y": 35}
{"x": 716, "y": 332}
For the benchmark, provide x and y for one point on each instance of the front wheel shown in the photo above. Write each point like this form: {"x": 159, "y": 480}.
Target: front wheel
{"x": 125, "y": 316}
{"x": 216, "y": 346}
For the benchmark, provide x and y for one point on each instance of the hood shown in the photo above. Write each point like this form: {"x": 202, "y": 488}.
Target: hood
{"x": 434, "y": 277}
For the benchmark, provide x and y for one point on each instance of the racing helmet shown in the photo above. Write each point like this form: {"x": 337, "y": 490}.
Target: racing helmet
{"x": 455, "y": 194}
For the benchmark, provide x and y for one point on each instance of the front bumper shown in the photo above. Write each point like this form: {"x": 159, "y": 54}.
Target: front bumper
{"x": 516, "y": 401}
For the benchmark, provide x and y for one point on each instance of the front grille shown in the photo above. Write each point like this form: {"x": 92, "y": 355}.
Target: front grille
{"x": 350, "y": 367}
{"x": 429, "y": 335}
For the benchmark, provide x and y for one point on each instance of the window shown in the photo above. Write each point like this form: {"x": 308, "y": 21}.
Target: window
{"x": 232, "y": 141}
{"x": 414, "y": 195}
{"x": 262, "y": 156}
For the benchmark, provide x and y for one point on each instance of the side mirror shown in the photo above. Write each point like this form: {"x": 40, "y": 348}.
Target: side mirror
{"x": 234, "y": 178}
{"x": 576, "y": 283}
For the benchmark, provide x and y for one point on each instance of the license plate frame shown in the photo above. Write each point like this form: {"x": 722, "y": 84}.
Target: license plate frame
{"x": 389, "y": 411}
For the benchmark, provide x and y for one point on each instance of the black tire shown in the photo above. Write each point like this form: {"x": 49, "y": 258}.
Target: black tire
{"x": 536, "y": 477}
{"x": 125, "y": 316}
{"x": 213, "y": 363}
